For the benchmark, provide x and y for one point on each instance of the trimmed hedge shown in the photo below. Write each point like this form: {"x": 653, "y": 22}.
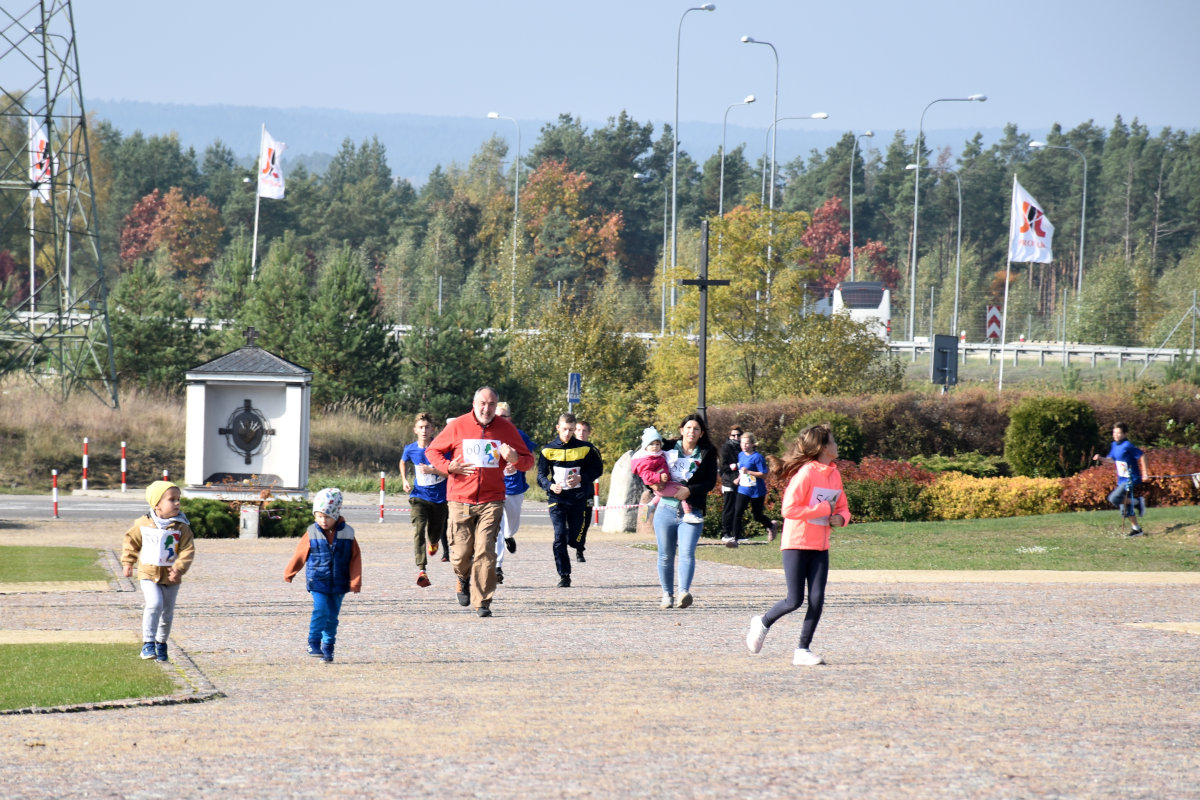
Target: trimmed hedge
{"x": 958, "y": 496}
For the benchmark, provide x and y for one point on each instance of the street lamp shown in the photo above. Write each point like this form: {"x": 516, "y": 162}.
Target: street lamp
{"x": 768, "y": 138}
{"x": 675, "y": 134}
{"x": 853, "y": 150}
{"x": 958, "y": 247}
{"x": 1083, "y": 212}
{"x": 512, "y": 297}
{"x": 662, "y": 329}
{"x": 774, "y": 115}
{"x": 721, "y": 191}
{"x": 912, "y": 266}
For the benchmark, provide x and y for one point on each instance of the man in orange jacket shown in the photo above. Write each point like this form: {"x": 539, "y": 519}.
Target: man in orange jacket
{"x": 473, "y": 450}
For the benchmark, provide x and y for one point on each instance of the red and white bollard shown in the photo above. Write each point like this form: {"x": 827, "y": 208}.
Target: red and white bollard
{"x": 85, "y": 454}
{"x": 54, "y": 473}
{"x": 596, "y": 502}
{"x": 122, "y": 466}
{"x": 381, "y": 495}
{"x": 166, "y": 475}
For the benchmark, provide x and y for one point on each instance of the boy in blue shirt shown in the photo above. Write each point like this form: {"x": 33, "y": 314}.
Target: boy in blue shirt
{"x": 427, "y": 498}
{"x": 1130, "y": 462}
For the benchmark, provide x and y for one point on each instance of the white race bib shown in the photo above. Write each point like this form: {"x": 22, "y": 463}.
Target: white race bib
{"x": 682, "y": 468}
{"x": 820, "y": 495}
{"x": 428, "y": 478}
{"x": 748, "y": 480}
{"x": 1122, "y": 469}
{"x": 562, "y": 473}
{"x": 481, "y": 452}
{"x": 159, "y": 548}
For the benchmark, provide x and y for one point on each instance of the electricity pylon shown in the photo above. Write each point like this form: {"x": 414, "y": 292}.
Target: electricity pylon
{"x": 54, "y": 308}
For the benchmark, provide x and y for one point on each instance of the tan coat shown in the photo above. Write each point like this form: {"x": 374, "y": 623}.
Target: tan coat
{"x": 132, "y": 548}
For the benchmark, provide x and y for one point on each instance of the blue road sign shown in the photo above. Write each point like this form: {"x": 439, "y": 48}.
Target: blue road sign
{"x": 574, "y": 386}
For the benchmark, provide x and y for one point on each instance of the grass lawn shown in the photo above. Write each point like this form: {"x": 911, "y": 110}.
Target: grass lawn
{"x": 21, "y": 564}
{"x": 1086, "y": 541}
{"x": 64, "y": 674}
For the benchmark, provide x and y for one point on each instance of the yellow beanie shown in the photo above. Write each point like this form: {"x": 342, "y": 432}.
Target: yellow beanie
{"x": 156, "y": 490}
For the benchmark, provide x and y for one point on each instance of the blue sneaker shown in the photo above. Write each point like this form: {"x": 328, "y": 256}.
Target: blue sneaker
{"x": 148, "y": 651}
{"x": 160, "y": 651}
{"x": 314, "y": 649}
{"x": 327, "y": 652}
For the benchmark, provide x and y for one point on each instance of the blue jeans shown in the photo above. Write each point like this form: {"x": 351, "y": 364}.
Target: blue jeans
{"x": 1118, "y": 496}
{"x": 324, "y": 623}
{"x": 673, "y": 534}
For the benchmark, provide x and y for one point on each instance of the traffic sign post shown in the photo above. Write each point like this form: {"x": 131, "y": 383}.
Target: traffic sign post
{"x": 574, "y": 389}
{"x": 943, "y": 363}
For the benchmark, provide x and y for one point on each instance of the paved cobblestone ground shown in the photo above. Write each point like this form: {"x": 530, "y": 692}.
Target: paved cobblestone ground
{"x": 944, "y": 689}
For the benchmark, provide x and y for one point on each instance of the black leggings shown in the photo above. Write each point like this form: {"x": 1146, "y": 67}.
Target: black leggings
{"x": 800, "y": 566}
{"x": 756, "y": 511}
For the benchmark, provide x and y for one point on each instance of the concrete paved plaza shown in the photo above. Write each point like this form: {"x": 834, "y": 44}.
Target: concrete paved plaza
{"x": 1023, "y": 686}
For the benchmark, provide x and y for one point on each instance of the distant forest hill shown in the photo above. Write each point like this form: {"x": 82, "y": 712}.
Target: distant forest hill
{"x": 417, "y": 143}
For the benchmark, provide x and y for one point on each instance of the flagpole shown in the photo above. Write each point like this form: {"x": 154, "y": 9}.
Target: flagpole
{"x": 257, "y": 199}
{"x": 32, "y": 255}
{"x": 1012, "y": 221}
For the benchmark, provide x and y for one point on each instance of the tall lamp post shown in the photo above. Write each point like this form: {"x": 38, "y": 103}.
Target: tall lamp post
{"x": 767, "y": 138}
{"x": 1083, "y": 211}
{"x": 512, "y": 289}
{"x": 957, "y": 249}
{"x": 675, "y": 134}
{"x": 774, "y": 115}
{"x": 662, "y": 324}
{"x": 853, "y": 151}
{"x": 721, "y": 191}
{"x": 912, "y": 265}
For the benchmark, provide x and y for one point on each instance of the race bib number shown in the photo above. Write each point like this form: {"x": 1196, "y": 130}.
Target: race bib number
{"x": 747, "y": 480}
{"x": 429, "y": 478}
{"x": 1122, "y": 469}
{"x": 682, "y": 468}
{"x": 481, "y": 452}
{"x": 561, "y": 474}
{"x": 159, "y": 548}
{"x": 820, "y": 495}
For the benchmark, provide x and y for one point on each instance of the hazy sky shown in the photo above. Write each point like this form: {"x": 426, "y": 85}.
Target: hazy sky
{"x": 868, "y": 63}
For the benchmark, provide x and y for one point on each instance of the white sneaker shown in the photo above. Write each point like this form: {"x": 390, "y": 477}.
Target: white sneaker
{"x": 803, "y": 657}
{"x": 757, "y": 635}
{"x": 685, "y": 600}
{"x": 667, "y": 602}
{"x": 692, "y": 518}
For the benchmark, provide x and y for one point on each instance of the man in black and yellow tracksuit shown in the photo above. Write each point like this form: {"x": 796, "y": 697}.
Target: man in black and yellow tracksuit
{"x": 566, "y": 469}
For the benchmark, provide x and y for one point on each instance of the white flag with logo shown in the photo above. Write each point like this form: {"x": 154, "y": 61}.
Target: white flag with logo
{"x": 1029, "y": 231}
{"x": 270, "y": 173}
{"x": 42, "y": 163}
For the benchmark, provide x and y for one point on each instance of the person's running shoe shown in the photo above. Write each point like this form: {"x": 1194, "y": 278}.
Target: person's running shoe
{"x": 464, "y": 592}
{"x": 327, "y": 652}
{"x": 803, "y": 657}
{"x": 433, "y": 546}
{"x": 510, "y": 544}
{"x": 422, "y": 579}
{"x": 729, "y": 541}
{"x": 772, "y": 530}
{"x": 484, "y": 611}
{"x": 499, "y": 575}
{"x": 757, "y": 635}
{"x": 148, "y": 651}
{"x": 1137, "y": 531}
{"x": 160, "y": 651}
{"x": 667, "y": 602}
{"x": 445, "y": 556}
{"x": 564, "y": 582}
{"x": 314, "y": 649}
{"x": 579, "y": 556}
{"x": 685, "y": 600}
{"x": 692, "y": 518}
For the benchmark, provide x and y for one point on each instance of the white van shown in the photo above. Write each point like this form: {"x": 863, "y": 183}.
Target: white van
{"x": 866, "y": 301}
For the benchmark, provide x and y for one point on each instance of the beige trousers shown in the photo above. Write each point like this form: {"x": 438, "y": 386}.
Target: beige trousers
{"x": 472, "y": 534}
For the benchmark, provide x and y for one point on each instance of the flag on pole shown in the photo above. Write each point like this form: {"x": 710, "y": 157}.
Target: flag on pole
{"x": 1029, "y": 230}
{"x": 42, "y": 163}
{"x": 270, "y": 173}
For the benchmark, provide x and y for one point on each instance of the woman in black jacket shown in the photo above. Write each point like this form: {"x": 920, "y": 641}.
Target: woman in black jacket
{"x": 692, "y": 459}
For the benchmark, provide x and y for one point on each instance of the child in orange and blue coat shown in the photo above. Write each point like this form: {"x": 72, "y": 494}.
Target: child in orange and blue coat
{"x": 329, "y": 553}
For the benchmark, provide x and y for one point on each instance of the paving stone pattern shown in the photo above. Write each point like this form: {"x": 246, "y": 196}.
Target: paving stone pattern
{"x": 933, "y": 690}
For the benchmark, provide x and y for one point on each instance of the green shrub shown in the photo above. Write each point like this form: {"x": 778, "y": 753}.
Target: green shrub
{"x": 974, "y": 464}
{"x": 210, "y": 519}
{"x": 1050, "y": 437}
{"x": 285, "y": 518}
{"x": 846, "y": 432}
{"x": 888, "y": 500}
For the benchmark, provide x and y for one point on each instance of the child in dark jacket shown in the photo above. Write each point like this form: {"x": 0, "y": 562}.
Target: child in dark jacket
{"x": 333, "y": 566}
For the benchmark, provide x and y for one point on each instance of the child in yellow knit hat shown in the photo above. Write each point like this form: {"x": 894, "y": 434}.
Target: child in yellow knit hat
{"x": 162, "y": 545}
